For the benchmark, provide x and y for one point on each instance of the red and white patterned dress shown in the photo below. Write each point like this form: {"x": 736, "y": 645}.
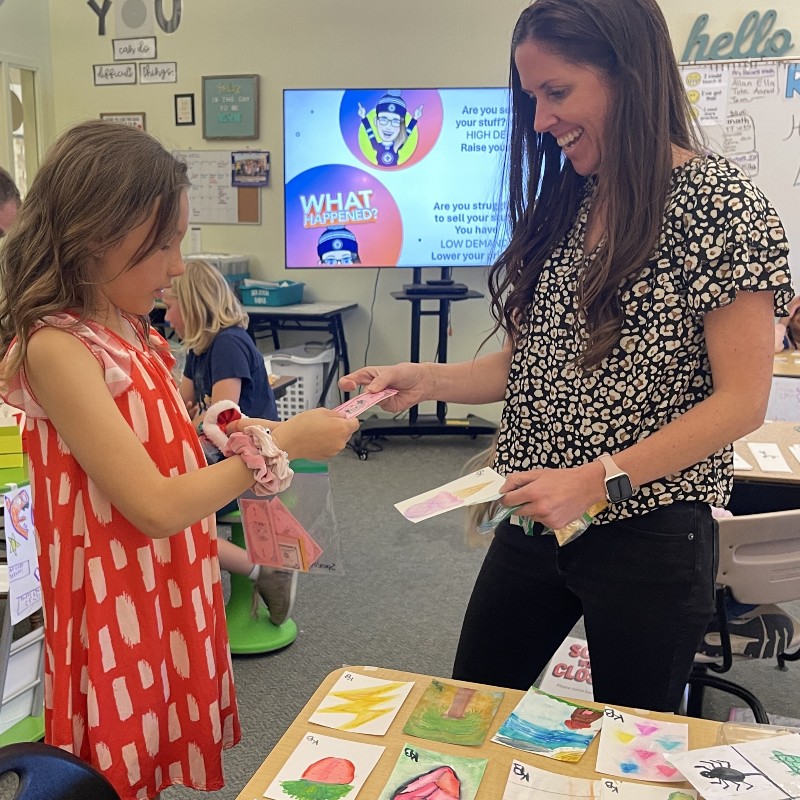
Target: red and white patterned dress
{"x": 138, "y": 677}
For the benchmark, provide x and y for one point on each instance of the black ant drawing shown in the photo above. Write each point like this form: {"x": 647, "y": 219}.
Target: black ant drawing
{"x": 721, "y": 773}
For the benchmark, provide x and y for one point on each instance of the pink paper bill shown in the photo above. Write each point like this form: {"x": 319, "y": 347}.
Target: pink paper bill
{"x": 355, "y": 405}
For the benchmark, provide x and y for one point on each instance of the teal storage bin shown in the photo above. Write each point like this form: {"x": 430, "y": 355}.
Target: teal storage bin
{"x": 284, "y": 293}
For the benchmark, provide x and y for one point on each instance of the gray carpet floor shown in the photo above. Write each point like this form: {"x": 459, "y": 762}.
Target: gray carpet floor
{"x": 399, "y": 603}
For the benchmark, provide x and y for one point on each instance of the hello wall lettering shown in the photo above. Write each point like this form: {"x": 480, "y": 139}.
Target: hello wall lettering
{"x": 754, "y": 39}
{"x": 167, "y": 24}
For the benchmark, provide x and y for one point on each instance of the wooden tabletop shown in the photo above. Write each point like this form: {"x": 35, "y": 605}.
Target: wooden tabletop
{"x": 781, "y": 433}
{"x": 787, "y": 363}
{"x": 702, "y": 733}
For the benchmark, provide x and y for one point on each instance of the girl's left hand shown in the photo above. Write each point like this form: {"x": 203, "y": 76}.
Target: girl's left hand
{"x": 555, "y": 497}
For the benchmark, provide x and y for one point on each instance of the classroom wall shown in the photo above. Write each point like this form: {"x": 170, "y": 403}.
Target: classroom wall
{"x": 316, "y": 43}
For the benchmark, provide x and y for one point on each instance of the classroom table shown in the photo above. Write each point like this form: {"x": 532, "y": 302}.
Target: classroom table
{"x": 787, "y": 364}
{"x": 702, "y": 733}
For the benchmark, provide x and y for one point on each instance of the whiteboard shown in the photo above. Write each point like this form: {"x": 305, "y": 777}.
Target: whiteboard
{"x": 746, "y": 116}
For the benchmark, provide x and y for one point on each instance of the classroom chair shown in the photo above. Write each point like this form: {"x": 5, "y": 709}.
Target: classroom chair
{"x": 759, "y": 563}
{"x": 45, "y": 771}
{"x": 249, "y": 635}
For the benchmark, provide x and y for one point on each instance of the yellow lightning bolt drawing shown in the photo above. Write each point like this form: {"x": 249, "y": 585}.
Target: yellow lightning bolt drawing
{"x": 364, "y": 704}
{"x": 12, "y": 540}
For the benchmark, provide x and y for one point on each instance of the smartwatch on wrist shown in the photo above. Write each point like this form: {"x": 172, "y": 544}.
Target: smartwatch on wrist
{"x": 618, "y": 483}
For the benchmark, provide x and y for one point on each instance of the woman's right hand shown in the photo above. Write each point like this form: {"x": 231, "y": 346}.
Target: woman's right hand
{"x": 316, "y": 434}
{"x": 414, "y": 383}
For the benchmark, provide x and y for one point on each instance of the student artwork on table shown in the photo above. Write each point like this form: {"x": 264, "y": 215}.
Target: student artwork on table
{"x": 761, "y": 769}
{"x": 637, "y": 747}
{"x": 360, "y": 704}
{"x": 453, "y": 714}
{"x": 323, "y": 768}
{"x": 627, "y": 790}
{"x": 529, "y": 783}
{"x": 482, "y": 486}
{"x": 421, "y": 773}
{"x": 550, "y": 726}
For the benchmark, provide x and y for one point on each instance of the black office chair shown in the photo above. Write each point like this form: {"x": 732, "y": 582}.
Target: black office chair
{"x": 49, "y": 772}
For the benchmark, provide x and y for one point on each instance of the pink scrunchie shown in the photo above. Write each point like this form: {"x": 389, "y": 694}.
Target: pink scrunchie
{"x": 270, "y": 478}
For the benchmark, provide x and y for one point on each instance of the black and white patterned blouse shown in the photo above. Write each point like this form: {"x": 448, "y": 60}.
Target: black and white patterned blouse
{"x": 720, "y": 235}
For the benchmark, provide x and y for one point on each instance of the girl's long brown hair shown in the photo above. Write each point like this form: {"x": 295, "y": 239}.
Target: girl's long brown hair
{"x": 98, "y": 182}
{"x": 627, "y": 42}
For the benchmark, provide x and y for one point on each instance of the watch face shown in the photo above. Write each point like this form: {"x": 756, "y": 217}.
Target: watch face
{"x": 619, "y": 488}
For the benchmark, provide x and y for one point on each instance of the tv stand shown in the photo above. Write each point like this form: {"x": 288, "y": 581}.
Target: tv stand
{"x": 425, "y": 424}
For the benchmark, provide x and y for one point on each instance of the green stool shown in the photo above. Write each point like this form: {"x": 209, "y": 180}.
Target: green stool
{"x": 248, "y": 634}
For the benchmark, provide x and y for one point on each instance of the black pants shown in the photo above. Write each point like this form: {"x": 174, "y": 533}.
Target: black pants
{"x": 645, "y": 588}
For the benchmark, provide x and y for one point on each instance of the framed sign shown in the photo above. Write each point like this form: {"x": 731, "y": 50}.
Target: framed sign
{"x": 111, "y": 74}
{"x": 230, "y": 107}
{"x": 134, "y": 49}
{"x": 184, "y": 109}
{"x": 133, "y": 119}
{"x": 158, "y": 72}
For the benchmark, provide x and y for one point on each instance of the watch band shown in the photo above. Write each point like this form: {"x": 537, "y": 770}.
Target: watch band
{"x": 617, "y": 481}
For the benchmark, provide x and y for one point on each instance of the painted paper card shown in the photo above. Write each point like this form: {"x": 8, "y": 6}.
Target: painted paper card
{"x": 454, "y": 714}
{"x": 24, "y": 584}
{"x": 550, "y": 726}
{"x": 528, "y": 783}
{"x": 761, "y": 769}
{"x": 636, "y": 747}
{"x": 627, "y": 790}
{"x": 477, "y": 487}
{"x": 361, "y": 704}
{"x": 421, "y": 773}
{"x": 324, "y": 768}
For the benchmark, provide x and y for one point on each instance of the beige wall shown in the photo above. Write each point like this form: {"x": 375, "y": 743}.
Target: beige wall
{"x": 315, "y": 43}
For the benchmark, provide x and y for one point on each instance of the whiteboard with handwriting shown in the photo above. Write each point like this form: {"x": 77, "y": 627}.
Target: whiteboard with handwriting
{"x": 750, "y": 113}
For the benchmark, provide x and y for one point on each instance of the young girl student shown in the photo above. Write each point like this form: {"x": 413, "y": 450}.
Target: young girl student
{"x": 137, "y": 669}
{"x": 223, "y": 363}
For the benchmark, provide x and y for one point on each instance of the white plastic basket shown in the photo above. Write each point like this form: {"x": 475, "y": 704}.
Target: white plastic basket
{"x": 310, "y": 365}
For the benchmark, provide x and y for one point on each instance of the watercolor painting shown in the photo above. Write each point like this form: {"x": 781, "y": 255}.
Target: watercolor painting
{"x": 529, "y": 783}
{"x": 481, "y": 486}
{"x": 550, "y": 726}
{"x": 636, "y": 747}
{"x": 361, "y": 704}
{"x": 765, "y": 769}
{"x": 421, "y": 773}
{"x": 628, "y": 790}
{"x": 324, "y": 768}
{"x": 453, "y": 714}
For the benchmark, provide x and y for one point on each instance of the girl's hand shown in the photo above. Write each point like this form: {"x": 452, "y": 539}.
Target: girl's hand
{"x": 316, "y": 434}
{"x": 414, "y": 383}
{"x": 555, "y": 497}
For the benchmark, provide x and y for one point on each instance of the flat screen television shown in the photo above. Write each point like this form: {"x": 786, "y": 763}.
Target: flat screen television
{"x": 393, "y": 178}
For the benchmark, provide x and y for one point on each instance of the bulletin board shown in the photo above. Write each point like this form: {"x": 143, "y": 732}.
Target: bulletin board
{"x": 750, "y": 113}
{"x": 212, "y": 199}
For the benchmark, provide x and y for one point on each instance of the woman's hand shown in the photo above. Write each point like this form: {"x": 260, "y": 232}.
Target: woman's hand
{"x": 316, "y": 434}
{"x": 555, "y": 497}
{"x": 414, "y": 383}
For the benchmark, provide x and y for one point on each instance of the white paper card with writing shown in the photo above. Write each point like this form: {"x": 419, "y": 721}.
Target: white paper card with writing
{"x": 794, "y": 449}
{"x": 761, "y": 769}
{"x": 24, "y": 585}
{"x": 322, "y": 766}
{"x": 627, "y": 790}
{"x": 529, "y": 783}
{"x": 740, "y": 463}
{"x": 769, "y": 457}
{"x": 636, "y": 747}
{"x": 360, "y": 704}
{"x": 569, "y": 673}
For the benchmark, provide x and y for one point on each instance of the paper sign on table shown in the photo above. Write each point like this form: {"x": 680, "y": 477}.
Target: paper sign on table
{"x": 274, "y": 537}
{"x": 769, "y": 457}
{"x": 550, "y": 726}
{"x": 529, "y": 783}
{"x": 421, "y": 773}
{"x": 636, "y": 747}
{"x": 361, "y": 402}
{"x": 761, "y": 769}
{"x": 794, "y": 449}
{"x": 324, "y": 767}
{"x": 453, "y": 714}
{"x": 569, "y": 673}
{"x": 481, "y": 486}
{"x": 739, "y": 463}
{"x": 25, "y": 588}
{"x": 360, "y": 704}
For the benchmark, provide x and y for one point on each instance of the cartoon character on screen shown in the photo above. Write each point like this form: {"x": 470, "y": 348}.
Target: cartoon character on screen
{"x": 337, "y": 247}
{"x": 393, "y": 131}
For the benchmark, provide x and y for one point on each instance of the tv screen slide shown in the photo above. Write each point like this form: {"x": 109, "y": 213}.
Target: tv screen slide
{"x": 393, "y": 177}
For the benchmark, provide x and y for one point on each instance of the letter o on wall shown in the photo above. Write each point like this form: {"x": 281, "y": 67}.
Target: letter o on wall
{"x": 168, "y": 25}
